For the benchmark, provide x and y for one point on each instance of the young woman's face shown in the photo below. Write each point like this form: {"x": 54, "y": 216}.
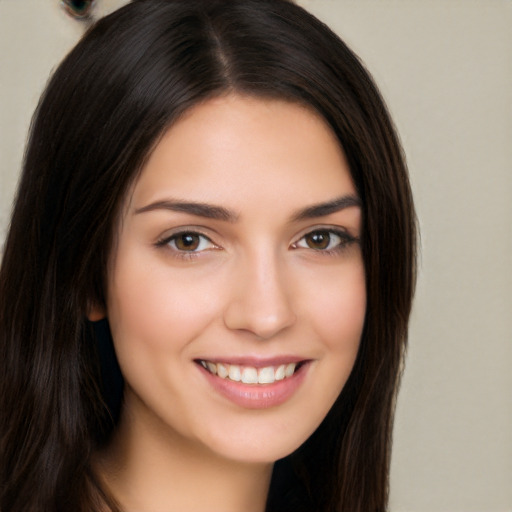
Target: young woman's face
{"x": 236, "y": 296}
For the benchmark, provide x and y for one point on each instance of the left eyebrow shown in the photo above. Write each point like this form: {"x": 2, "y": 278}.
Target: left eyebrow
{"x": 327, "y": 208}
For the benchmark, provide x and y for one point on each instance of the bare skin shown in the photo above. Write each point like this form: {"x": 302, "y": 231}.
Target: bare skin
{"x": 238, "y": 250}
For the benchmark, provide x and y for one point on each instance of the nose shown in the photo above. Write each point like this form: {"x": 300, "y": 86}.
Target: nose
{"x": 261, "y": 301}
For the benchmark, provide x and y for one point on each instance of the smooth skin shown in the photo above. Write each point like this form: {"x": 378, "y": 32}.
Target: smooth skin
{"x": 268, "y": 265}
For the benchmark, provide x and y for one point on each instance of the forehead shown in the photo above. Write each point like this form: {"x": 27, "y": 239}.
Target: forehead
{"x": 233, "y": 150}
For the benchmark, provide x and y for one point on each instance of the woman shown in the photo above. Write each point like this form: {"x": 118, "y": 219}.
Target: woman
{"x": 220, "y": 184}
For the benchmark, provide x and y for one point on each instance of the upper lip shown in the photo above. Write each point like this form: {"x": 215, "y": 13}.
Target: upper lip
{"x": 255, "y": 362}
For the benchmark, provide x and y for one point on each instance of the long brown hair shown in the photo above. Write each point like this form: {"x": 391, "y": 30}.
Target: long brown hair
{"x": 133, "y": 75}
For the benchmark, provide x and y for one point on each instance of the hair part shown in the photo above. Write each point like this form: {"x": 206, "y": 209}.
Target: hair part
{"x": 133, "y": 75}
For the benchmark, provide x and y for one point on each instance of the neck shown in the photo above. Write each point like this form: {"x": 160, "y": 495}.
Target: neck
{"x": 149, "y": 468}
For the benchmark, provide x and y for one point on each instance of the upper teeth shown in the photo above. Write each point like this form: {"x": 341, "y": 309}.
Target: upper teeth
{"x": 249, "y": 374}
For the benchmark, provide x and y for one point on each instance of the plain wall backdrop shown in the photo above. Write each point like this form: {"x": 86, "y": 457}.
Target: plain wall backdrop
{"x": 445, "y": 69}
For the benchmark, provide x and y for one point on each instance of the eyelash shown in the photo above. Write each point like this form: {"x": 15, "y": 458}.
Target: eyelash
{"x": 345, "y": 240}
{"x": 181, "y": 253}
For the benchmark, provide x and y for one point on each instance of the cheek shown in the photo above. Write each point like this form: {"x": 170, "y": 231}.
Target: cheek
{"x": 346, "y": 311}
{"x": 338, "y": 309}
{"x": 338, "y": 315}
{"x": 155, "y": 313}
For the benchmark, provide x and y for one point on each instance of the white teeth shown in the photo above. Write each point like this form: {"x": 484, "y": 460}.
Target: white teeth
{"x": 234, "y": 373}
{"x": 289, "y": 370}
{"x": 211, "y": 367}
{"x": 266, "y": 375}
{"x": 280, "y": 372}
{"x": 249, "y": 374}
{"x": 222, "y": 371}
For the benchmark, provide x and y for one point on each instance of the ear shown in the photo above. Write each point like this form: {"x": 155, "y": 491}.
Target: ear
{"x": 96, "y": 313}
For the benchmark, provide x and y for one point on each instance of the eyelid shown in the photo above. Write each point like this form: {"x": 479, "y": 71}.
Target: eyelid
{"x": 165, "y": 240}
{"x": 345, "y": 236}
{"x": 338, "y": 230}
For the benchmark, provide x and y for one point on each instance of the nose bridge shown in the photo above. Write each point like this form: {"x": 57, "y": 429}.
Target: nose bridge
{"x": 261, "y": 299}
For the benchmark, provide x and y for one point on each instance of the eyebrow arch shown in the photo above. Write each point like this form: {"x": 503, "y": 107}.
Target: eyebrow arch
{"x": 323, "y": 209}
{"x": 193, "y": 208}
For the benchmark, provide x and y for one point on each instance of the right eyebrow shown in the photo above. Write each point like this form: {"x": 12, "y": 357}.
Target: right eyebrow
{"x": 198, "y": 209}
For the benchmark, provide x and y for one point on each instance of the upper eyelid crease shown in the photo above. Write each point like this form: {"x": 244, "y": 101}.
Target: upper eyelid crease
{"x": 340, "y": 232}
{"x": 166, "y": 238}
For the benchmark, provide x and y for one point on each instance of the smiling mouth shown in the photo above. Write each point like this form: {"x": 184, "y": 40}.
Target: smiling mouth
{"x": 250, "y": 374}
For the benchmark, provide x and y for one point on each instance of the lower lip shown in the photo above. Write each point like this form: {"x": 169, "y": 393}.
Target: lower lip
{"x": 257, "y": 396}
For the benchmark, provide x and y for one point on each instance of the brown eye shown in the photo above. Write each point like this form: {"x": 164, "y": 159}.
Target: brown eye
{"x": 318, "y": 240}
{"x": 78, "y": 9}
{"x": 187, "y": 241}
{"x": 324, "y": 240}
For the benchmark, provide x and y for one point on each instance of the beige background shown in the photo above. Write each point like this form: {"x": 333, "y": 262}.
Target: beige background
{"x": 445, "y": 68}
